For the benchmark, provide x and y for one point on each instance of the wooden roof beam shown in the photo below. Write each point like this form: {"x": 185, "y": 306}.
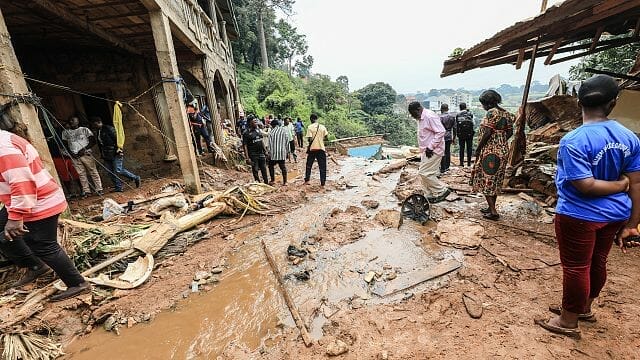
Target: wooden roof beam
{"x": 553, "y": 51}
{"x": 119, "y": 16}
{"x": 596, "y": 50}
{"x": 71, "y": 18}
{"x": 596, "y": 38}
{"x": 520, "y": 59}
{"x": 105, "y": 5}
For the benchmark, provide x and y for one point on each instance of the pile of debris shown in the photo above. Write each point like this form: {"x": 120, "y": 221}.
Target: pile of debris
{"x": 549, "y": 120}
{"x": 141, "y": 231}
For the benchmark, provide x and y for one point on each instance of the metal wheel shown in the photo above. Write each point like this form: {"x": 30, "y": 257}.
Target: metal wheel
{"x": 416, "y": 207}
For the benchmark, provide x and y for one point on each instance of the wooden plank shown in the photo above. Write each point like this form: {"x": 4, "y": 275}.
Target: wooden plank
{"x": 118, "y": 16}
{"x": 596, "y": 38}
{"x": 415, "y": 278}
{"x": 594, "y": 51}
{"x": 553, "y": 52}
{"x": 287, "y": 298}
{"x": 71, "y": 18}
{"x": 520, "y": 59}
{"x": 106, "y": 5}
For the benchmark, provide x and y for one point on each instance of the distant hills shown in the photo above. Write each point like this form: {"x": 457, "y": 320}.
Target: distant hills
{"x": 505, "y": 90}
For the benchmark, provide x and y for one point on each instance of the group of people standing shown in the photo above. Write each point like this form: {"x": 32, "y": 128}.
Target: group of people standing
{"x": 72, "y": 151}
{"x": 273, "y": 141}
{"x": 598, "y": 184}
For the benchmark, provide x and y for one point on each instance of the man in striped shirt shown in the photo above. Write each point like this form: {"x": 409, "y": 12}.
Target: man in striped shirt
{"x": 29, "y": 218}
{"x": 278, "y": 150}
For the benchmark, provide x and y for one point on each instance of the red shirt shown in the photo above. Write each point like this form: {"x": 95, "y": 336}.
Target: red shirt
{"x": 26, "y": 188}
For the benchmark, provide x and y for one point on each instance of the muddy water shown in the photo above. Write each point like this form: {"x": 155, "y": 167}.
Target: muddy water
{"x": 244, "y": 307}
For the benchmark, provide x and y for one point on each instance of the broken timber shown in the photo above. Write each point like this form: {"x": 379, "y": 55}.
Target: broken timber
{"x": 418, "y": 277}
{"x": 290, "y": 304}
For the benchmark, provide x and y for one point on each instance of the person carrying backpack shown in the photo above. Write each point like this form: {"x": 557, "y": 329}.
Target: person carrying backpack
{"x": 464, "y": 124}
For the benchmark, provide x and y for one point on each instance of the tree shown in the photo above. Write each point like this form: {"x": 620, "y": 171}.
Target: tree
{"x": 377, "y": 98}
{"x": 325, "y": 93}
{"x": 303, "y": 68}
{"x": 257, "y": 18}
{"x": 290, "y": 44}
{"x": 619, "y": 60}
{"x": 343, "y": 80}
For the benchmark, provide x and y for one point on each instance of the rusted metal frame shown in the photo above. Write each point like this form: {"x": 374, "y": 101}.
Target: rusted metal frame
{"x": 71, "y": 18}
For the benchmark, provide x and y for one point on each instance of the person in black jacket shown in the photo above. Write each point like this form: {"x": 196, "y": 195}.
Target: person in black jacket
{"x": 112, "y": 155}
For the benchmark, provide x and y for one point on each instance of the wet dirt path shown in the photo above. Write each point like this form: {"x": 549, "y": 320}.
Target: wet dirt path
{"x": 244, "y": 308}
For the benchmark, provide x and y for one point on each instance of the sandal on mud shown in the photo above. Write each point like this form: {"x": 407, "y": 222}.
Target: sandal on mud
{"x": 492, "y": 217}
{"x": 588, "y": 317}
{"x": 31, "y": 275}
{"x": 485, "y": 210}
{"x": 573, "y": 333}
{"x": 72, "y": 291}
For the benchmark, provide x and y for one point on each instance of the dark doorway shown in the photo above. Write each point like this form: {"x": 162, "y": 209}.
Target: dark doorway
{"x": 97, "y": 107}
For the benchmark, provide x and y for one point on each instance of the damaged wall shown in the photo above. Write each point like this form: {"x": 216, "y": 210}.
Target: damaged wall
{"x": 109, "y": 74}
{"x": 627, "y": 112}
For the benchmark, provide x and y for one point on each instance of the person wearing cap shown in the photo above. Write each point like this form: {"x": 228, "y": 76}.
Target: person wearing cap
{"x": 598, "y": 182}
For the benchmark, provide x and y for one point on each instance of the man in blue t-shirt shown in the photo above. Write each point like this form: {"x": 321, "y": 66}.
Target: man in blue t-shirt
{"x": 598, "y": 183}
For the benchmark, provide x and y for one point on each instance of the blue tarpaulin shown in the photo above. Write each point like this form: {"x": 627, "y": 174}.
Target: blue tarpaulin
{"x": 366, "y": 152}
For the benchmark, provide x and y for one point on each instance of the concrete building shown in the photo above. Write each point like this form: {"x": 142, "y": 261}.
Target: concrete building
{"x": 77, "y": 53}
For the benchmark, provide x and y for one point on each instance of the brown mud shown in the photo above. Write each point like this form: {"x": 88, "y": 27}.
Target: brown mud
{"x": 511, "y": 275}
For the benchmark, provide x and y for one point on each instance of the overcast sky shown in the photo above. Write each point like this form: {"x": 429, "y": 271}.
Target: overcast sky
{"x": 404, "y": 42}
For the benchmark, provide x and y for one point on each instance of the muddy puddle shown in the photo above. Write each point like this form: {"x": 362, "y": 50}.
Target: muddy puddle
{"x": 245, "y": 307}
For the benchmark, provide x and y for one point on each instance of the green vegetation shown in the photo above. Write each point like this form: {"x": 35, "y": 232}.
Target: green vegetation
{"x": 371, "y": 110}
{"x": 274, "y": 77}
{"x": 619, "y": 60}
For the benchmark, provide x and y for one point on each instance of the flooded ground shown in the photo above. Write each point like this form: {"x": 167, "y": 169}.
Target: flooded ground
{"x": 245, "y": 309}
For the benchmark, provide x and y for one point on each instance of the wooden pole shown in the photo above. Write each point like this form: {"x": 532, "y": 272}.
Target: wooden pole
{"x": 177, "y": 111}
{"x": 520, "y": 141}
{"x": 290, "y": 304}
{"x": 12, "y": 82}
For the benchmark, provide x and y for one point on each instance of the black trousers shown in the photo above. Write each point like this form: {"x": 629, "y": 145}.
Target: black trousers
{"x": 200, "y": 132}
{"x": 321, "y": 156}
{"x": 466, "y": 144}
{"x": 259, "y": 165}
{"x": 283, "y": 170}
{"x": 300, "y": 138}
{"x": 446, "y": 158}
{"x": 292, "y": 151}
{"x": 38, "y": 246}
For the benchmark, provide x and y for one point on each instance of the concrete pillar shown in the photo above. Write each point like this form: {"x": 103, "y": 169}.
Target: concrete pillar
{"x": 25, "y": 115}
{"x": 162, "y": 111}
{"x": 209, "y": 74}
{"x": 168, "y": 64}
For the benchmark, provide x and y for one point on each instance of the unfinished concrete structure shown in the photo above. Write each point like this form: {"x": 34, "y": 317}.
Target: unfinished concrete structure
{"x": 143, "y": 53}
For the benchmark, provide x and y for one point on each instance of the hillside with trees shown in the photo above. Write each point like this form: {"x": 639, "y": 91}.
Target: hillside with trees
{"x": 275, "y": 77}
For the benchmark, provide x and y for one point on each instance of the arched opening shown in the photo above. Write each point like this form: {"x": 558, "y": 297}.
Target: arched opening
{"x": 221, "y": 96}
{"x": 234, "y": 101}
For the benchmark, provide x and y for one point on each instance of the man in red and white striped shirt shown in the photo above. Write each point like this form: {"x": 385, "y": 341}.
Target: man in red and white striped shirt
{"x": 29, "y": 219}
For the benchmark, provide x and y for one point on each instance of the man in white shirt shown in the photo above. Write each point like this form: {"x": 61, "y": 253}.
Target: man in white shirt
{"x": 79, "y": 140}
{"x": 316, "y": 135}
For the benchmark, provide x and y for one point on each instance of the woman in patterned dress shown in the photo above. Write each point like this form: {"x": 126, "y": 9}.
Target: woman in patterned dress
{"x": 493, "y": 148}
